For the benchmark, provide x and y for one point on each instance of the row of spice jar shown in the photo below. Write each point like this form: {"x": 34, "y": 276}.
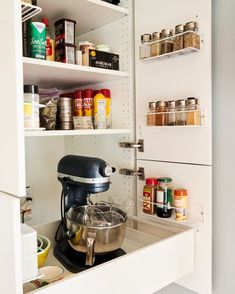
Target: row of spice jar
{"x": 159, "y": 43}
{"x": 175, "y": 113}
{"x": 160, "y": 198}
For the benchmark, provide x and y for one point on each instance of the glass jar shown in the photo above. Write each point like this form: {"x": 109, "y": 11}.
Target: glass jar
{"x": 178, "y": 42}
{"x": 171, "y": 113}
{"x": 160, "y": 115}
{"x": 149, "y": 193}
{"x": 164, "y": 197}
{"x": 181, "y": 112}
{"x": 194, "y": 113}
{"x": 145, "y": 51}
{"x": 167, "y": 42}
{"x": 191, "y": 38}
{"x": 151, "y": 116}
{"x": 155, "y": 47}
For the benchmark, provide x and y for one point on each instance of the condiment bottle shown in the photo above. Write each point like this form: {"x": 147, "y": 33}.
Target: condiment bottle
{"x": 151, "y": 115}
{"x": 181, "y": 112}
{"x": 171, "y": 113}
{"x": 50, "y": 43}
{"x": 88, "y": 95}
{"x": 155, "y": 46}
{"x": 149, "y": 195}
{"x": 180, "y": 204}
{"x": 99, "y": 111}
{"x": 107, "y": 94}
{"x": 193, "y": 112}
{"x": 167, "y": 42}
{"x": 31, "y": 106}
{"x": 160, "y": 115}
{"x": 164, "y": 198}
{"x": 191, "y": 38}
{"x": 78, "y": 103}
{"x": 145, "y": 48}
{"x": 178, "y": 43}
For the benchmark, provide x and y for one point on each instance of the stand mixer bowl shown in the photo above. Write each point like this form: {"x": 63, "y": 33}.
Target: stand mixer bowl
{"x": 95, "y": 229}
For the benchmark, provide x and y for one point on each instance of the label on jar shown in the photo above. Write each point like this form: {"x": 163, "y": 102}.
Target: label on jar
{"x": 87, "y": 106}
{"x": 148, "y": 197}
{"x": 78, "y": 111}
{"x": 69, "y": 32}
{"x": 70, "y": 55}
{"x": 160, "y": 198}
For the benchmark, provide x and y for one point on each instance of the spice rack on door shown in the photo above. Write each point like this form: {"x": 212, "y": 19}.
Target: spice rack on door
{"x": 28, "y": 11}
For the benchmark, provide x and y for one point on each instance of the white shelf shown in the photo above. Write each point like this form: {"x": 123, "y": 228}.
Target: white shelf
{"x": 45, "y": 73}
{"x": 75, "y": 133}
{"x": 89, "y": 14}
{"x": 28, "y": 11}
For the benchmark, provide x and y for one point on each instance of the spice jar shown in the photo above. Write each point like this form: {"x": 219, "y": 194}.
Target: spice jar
{"x": 85, "y": 46}
{"x": 149, "y": 193}
{"x": 180, "y": 204}
{"x": 151, "y": 116}
{"x": 171, "y": 113}
{"x": 31, "y": 106}
{"x": 167, "y": 42}
{"x": 145, "y": 48}
{"x": 88, "y": 96}
{"x": 78, "y": 103}
{"x": 178, "y": 43}
{"x": 155, "y": 47}
{"x": 193, "y": 112}
{"x": 160, "y": 115}
{"x": 164, "y": 197}
{"x": 181, "y": 112}
{"x": 191, "y": 38}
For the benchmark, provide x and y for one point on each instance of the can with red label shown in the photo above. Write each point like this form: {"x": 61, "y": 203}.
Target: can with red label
{"x": 78, "y": 103}
{"x": 88, "y": 96}
{"x": 149, "y": 196}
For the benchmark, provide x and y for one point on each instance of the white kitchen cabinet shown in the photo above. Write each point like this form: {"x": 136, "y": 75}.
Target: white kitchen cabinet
{"x": 159, "y": 251}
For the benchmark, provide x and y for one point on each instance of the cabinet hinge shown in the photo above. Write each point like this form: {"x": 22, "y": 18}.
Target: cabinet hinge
{"x": 129, "y": 172}
{"x": 139, "y": 145}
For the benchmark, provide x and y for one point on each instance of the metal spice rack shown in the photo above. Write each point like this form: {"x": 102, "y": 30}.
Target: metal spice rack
{"x": 29, "y": 10}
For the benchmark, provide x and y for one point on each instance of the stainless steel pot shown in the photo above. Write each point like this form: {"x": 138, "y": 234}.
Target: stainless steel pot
{"x": 95, "y": 229}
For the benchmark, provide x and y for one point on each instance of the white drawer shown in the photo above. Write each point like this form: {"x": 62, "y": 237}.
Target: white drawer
{"x": 157, "y": 255}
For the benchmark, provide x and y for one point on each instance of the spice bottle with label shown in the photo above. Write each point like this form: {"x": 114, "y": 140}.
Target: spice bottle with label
{"x": 107, "y": 95}
{"x": 167, "y": 42}
{"x": 99, "y": 111}
{"x": 164, "y": 198}
{"x": 78, "y": 103}
{"x": 180, "y": 204}
{"x": 50, "y": 43}
{"x": 191, "y": 38}
{"x": 181, "y": 112}
{"x": 149, "y": 196}
{"x": 155, "y": 46}
{"x": 88, "y": 95}
{"x": 178, "y": 43}
{"x": 152, "y": 114}
{"x": 171, "y": 113}
{"x": 145, "y": 48}
{"x": 193, "y": 112}
{"x": 161, "y": 115}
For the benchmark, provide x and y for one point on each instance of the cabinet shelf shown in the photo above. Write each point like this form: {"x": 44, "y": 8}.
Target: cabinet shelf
{"x": 61, "y": 133}
{"x": 45, "y": 73}
{"x": 28, "y": 11}
{"x": 88, "y": 14}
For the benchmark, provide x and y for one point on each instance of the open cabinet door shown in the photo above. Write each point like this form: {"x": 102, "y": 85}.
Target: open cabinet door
{"x": 12, "y": 174}
{"x": 180, "y": 152}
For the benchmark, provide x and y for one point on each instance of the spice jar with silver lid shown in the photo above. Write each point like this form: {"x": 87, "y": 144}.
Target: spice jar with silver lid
{"x": 193, "y": 112}
{"x": 167, "y": 42}
{"x": 181, "y": 112}
{"x": 191, "y": 37}
{"x": 145, "y": 48}
{"x": 171, "y": 113}
{"x": 161, "y": 113}
{"x": 178, "y": 43}
{"x": 155, "y": 47}
{"x": 151, "y": 115}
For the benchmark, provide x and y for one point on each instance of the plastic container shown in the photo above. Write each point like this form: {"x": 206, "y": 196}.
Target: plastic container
{"x": 149, "y": 196}
{"x": 50, "y": 43}
{"x": 107, "y": 94}
{"x": 65, "y": 31}
{"x": 164, "y": 198}
{"x": 104, "y": 48}
{"x": 180, "y": 204}
{"x": 31, "y": 107}
{"x": 99, "y": 111}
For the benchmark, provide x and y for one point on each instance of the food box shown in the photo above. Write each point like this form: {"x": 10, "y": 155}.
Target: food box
{"x": 95, "y": 58}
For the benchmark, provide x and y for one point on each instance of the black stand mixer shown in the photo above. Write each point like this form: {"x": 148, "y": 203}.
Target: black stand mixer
{"x": 78, "y": 241}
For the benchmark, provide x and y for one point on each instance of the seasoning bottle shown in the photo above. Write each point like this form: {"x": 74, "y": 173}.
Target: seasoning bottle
{"x": 151, "y": 115}
{"x": 171, "y": 113}
{"x": 164, "y": 198}
{"x": 99, "y": 111}
{"x": 191, "y": 38}
{"x": 180, "y": 204}
{"x": 178, "y": 43}
{"x": 193, "y": 112}
{"x": 78, "y": 103}
{"x": 181, "y": 112}
{"x": 155, "y": 47}
{"x": 149, "y": 194}
{"x": 167, "y": 42}
{"x": 88, "y": 95}
{"x": 50, "y": 43}
{"x": 107, "y": 95}
{"x": 145, "y": 48}
{"x": 31, "y": 106}
{"x": 160, "y": 115}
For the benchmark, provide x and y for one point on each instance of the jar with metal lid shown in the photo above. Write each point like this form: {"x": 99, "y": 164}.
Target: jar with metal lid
{"x": 191, "y": 37}
{"x": 193, "y": 112}
{"x": 167, "y": 42}
{"x": 161, "y": 115}
{"x": 149, "y": 193}
{"x": 164, "y": 197}
{"x": 145, "y": 48}
{"x": 178, "y": 43}
{"x": 181, "y": 112}
{"x": 171, "y": 113}
{"x": 155, "y": 47}
{"x": 152, "y": 113}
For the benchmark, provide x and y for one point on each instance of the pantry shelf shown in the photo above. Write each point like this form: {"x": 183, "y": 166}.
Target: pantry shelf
{"x": 28, "y": 11}
{"x": 88, "y": 14}
{"x": 76, "y": 133}
{"x": 45, "y": 73}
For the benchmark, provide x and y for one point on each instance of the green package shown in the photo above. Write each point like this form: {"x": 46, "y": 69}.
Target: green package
{"x": 38, "y": 40}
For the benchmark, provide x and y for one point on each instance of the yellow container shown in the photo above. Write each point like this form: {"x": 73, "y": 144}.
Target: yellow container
{"x": 180, "y": 204}
{"x": 42, "y": 256}
{"x": 99, "y": 111}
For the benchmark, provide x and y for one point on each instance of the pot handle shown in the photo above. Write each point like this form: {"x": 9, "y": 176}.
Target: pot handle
{"x": 90, "y": 257}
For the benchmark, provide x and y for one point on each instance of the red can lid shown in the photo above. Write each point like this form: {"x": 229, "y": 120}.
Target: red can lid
{"x": 45, "y": 21}
{"x": 151, "y": 181}
{"x": 106, "y": 93}
{"x": 88, "y": 93}
{"x": 97, "y": 92}
{"x": 77, "y": 94}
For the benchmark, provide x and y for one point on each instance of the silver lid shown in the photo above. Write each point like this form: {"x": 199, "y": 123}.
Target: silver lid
{"x": 191, "y": 26}
{"x": 171, "y": 104}
{"x": 152, "y": 105}
{"x": 181, "y": 103}
{"x": 146, "y": 38}
{"x": 192, "y": 101}
{"x": 161, "y": 103}
{"x": 179, "y": 29}
{"x": 156, "y": 36}
{"x": 166, "y": 33}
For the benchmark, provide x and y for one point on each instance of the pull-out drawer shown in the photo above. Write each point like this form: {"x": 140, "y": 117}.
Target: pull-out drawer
{"x": 157, "y": 255}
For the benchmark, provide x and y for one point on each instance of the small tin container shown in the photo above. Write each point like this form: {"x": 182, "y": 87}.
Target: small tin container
{"x": 65, "y": 31}
{"x": 65, "y": 54}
